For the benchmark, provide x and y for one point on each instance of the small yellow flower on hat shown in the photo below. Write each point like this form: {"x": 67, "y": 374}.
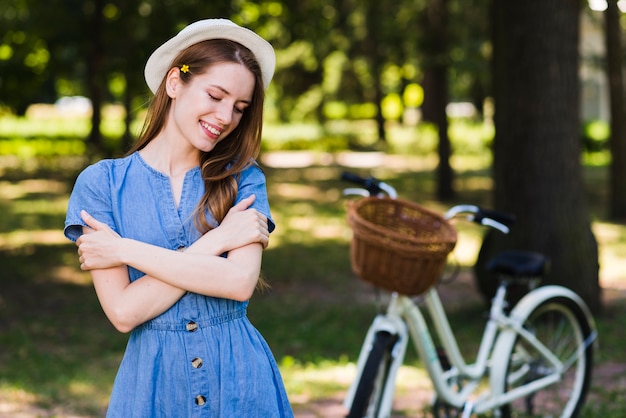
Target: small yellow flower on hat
{"x": 184, "y": 68}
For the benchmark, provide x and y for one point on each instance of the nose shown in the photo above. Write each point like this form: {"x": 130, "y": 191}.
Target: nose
{"x": 224, "y": 113}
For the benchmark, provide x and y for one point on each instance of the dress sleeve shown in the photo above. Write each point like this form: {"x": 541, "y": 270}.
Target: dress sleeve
{"x": 91, "y": 193}
{"x": 252, "y": 181}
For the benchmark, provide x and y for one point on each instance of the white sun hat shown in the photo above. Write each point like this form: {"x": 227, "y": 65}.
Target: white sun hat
{"x": 161, "y": 59}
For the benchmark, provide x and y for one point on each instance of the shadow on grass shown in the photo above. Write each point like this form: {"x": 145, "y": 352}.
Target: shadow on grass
{"x": 58, "y": 349}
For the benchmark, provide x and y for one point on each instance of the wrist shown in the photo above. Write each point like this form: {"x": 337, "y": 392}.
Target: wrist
{"x": 125, "y": 250}
{"x": 210, "y": 243}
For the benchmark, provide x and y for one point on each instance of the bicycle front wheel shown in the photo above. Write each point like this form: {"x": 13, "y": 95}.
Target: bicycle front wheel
{"x": 560, "y": 325}
{"x": 373, "y": 379}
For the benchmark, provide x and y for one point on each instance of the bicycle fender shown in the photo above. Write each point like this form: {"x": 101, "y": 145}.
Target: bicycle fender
{"x": 391, "y": 324}
{"x": 522, "y": 310}
{"x": 535, "y": 298}
{"x": 387, "y": 323}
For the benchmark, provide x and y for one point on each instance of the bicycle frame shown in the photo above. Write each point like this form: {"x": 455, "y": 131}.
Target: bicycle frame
{"x": 460, "y": 385}
{"x": 404, "y": 318}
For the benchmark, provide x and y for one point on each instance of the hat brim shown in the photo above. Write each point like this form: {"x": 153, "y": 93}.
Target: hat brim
{"x": 161, "y": 59}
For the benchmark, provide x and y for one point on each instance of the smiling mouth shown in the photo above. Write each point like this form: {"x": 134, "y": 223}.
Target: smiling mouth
{"x": 211, "y": 129}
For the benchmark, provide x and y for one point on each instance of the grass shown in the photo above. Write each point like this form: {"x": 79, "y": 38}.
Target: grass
{"x": 59, "y": 353}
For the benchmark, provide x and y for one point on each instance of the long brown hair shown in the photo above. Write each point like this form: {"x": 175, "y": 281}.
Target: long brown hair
{"x": 220, "y": 166}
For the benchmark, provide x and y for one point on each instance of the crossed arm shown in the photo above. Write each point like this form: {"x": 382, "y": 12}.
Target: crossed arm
{"x": 170, "y": 274}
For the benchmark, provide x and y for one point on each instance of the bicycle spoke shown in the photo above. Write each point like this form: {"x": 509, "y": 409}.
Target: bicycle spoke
{"x": 560, "y": 327}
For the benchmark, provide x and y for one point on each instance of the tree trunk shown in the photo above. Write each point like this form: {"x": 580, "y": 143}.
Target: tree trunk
{"x": 537, "y": 169}
{"x": 435, "y": 101}
{"x": 435, "y": 83}
{"x": 94, "y": 74}
{"x": 617, "y": 176}
{"x": 127, "y": 139}
{"x": 376, "y": 64}
{"x": 380, "y": 118}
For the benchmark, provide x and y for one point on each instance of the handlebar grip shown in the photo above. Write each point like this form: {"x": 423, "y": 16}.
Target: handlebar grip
{"x": 505, "y": 218}
{"x": 353, "y": 178}
{"x": 371, "y": 184}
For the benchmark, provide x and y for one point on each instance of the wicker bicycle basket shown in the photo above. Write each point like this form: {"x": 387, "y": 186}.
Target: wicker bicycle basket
{"x": 398, "y": 245}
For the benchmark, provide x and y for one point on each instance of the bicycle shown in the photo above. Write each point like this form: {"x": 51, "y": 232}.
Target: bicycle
{"x": 536, "y": 357}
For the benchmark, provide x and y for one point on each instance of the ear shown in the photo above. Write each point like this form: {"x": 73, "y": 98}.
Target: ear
{"x": 172, "y": 82}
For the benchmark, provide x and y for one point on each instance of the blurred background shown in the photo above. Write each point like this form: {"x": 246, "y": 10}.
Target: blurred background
{"x": 517, "y": 106}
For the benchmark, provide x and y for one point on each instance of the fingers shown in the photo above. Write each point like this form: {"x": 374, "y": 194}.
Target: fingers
{"x": 92, "y": 222}
{"x": 265, "y": 240}
{"x": 81, "y": 256}
{"x": 244, "y": 203}
{"x": 264, "y": 230}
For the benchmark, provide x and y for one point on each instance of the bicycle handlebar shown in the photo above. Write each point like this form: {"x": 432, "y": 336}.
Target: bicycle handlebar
{"x": 491, "y": 218}
{"x": 371, "y": 186}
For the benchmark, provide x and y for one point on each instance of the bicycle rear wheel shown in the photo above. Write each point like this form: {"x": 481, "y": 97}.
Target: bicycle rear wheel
{"x": 373, "y": 380}
{"x": 561, "y": 325}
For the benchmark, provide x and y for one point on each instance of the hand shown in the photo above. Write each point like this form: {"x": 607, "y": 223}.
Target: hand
{"x": 251, "y": 224}
{"x": 241, "y": 226}
{"x": 98, "y": 246}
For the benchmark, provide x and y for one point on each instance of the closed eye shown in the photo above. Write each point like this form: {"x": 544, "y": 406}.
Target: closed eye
{"x": 243, "y": 104}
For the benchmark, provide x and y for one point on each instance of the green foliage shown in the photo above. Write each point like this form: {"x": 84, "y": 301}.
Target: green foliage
{"x": 44, "y": 147}
{"x": 335, "y": 110}
{"x": 328, "y": 51}
{"x": 392, "y": 107}
{"x": 413, "y": 95}
{"x": 596, "y": 135}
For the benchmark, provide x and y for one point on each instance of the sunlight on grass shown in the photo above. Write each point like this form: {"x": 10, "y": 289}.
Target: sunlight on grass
{"x": 20, "y": 189}
{"x": 314, "y": 381}
{"x": 84, "y": 388}
{"x": 467, "y": 246}
{"x": 24, "y": 238}
{"x": 44, "y": 121}
{"x": 81, "y": 395}
{"x": 41, "y": 206}
{"x": 31, "y": 126}
{"x": 13, "y": 399}
{"x": 291, "y": 190}
{"x": 273, "y": 132}
{"x": 612, "y": 252}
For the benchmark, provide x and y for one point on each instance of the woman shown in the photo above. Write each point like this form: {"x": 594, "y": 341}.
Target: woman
{"x": 173, "y": 234}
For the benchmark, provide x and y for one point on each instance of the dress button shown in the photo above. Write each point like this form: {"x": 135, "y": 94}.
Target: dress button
{"x": 200, "y": 400}
{"x": 196, "y": 363}
{"x": 191, "y": 326}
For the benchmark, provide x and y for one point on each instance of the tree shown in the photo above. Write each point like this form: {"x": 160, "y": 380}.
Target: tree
{"x": 379, "y": 36}
{"x": 24, "y": 57}
{"x": 435, "y": 50}
{"x": 537, "y": 147}
{"x": 451, "y": 40}
{"x": 96, "y": 87}
{"x": 614, "y": 52}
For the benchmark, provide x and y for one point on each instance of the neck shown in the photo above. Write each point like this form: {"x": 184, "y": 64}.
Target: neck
{"x": 172, "y": 159}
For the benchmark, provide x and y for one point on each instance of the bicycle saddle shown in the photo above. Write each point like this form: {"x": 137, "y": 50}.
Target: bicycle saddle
{"x": 518, "y": 264}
